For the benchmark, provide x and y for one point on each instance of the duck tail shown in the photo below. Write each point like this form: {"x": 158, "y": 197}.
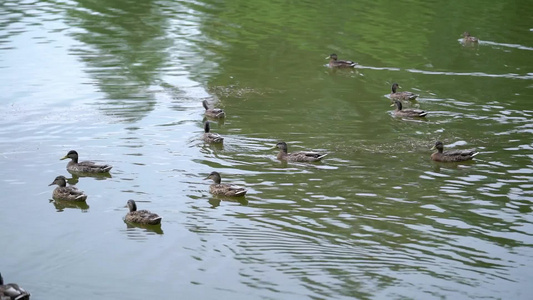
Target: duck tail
{"x": 475, "y": 153}
{"x": 240, "y": 193}
{"x": 204, "y": 103}
{"x": 423, "y": 114}
{"x": 322, "y": 156}
{"x": 106, "y": 168}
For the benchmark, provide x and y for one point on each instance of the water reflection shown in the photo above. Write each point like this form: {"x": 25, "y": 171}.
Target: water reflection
{"x": 76, "y": 176}
{"x": 113, "y": 49}
{"x": 140, "y": 231}
{"x": 61, "y": 205}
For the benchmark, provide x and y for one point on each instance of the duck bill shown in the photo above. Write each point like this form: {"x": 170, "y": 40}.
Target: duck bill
{"x": 64, "y": 157}
{"x": 393, "y": 104}
{"x": 433, "y": 148}
{"x": 328, "y": 57}
{"x": 52, "y": 183}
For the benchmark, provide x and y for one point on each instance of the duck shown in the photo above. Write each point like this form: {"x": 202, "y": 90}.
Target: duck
{"x": 451, "y": 155}
{"x": 405, "y": 95}
{"x": 143, "y": 217}
{"x": 224, "y": 189}
{"x": 302, "y": 156}
{"x": 334, "y": 63}
{"x": 64, "y": 192}
{"x": 210, "y": 137}
{"x": 84, "y": 166}
{"x": 407, "y": 112}
{"x": 12, "y": 291}
{"x": 215, "y": 113}
{"x": 467, "y": 38}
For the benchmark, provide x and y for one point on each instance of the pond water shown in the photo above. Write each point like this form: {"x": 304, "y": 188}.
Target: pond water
{"x": 122, "y": 83}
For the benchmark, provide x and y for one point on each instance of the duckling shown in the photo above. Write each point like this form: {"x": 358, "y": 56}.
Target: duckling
{"x": 215, "y": 113}
{"x": 12, "y": 291}
{"x": 407, "y": 112}
{"x": 467, "y": 38}
{"x": 334, "y": 63}
{"x": 222, "y": 188}
{"x": 451, "y": 155}
{"x": 84, "y": 166}
{"x": 144, "y": 217}
{"x": 401, "y": 95}
{"x": 302, "y": 156}
{"x": 210, "y": 137}
{"x": 64, "y": 192}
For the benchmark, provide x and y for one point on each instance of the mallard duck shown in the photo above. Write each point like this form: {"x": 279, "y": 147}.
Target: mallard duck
{"x": 401, "y": 95}
{"x": 224, "y": 189}
{"x": 334, "y": 63}
{"x": 451, "y": 155}
{"x": 144, "y": 217}
{"x": 84, "y": 166}
{"x": 12, "y": 291}
{"x": 64, "y": 192}
{"x": 210, "y": 137}
{"x": 302, "y": 156}
{"x": 215, "y": 113}
{"x": 467, "y": 38}
{"x": 407, "y": 112}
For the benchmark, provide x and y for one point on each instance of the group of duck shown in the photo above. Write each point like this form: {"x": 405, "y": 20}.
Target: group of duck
{"x": 397, "y": 98}
{"x": 63, "y": 192}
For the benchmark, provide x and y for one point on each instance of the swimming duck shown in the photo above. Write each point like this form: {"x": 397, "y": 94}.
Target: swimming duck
{"x": 215, "y": 113}
{"x": 210, "y": 137}
{"x": 64, "y": 192}
{"x": 407, "y": 112}
{"x": 401, "y": 95}
{"x": 144, "y": 217}
{"x": 84, "y": 166}
{"x": 224, "y": 189}
{"x": 334, "y": 63}
{"x": 12, "y": 291}
{"x": 451, "y": 155}
{"x": 302, "y": 156}
{"x": 467, "y": 38}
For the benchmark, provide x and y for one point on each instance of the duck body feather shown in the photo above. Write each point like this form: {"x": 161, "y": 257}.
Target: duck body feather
{"x": 227, "y": 190}
{"x": 12, "y": 291}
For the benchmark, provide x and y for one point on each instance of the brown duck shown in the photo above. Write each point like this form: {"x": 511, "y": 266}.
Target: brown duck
{"x": 407, "y": 112}
{"x": 215, "y": 113}
{"x": 302, "y": 156}
{"x": 224, "y": 189}
{"x": 144, "y": 217}
{"x": 209, "y": 137}
{"x": 335, "y": 63}
{"x": 405, "y": 95}
{"x": 451, "y": 155}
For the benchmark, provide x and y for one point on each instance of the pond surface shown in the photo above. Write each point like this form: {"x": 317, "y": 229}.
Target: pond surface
{"x": 122, "y": 83}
